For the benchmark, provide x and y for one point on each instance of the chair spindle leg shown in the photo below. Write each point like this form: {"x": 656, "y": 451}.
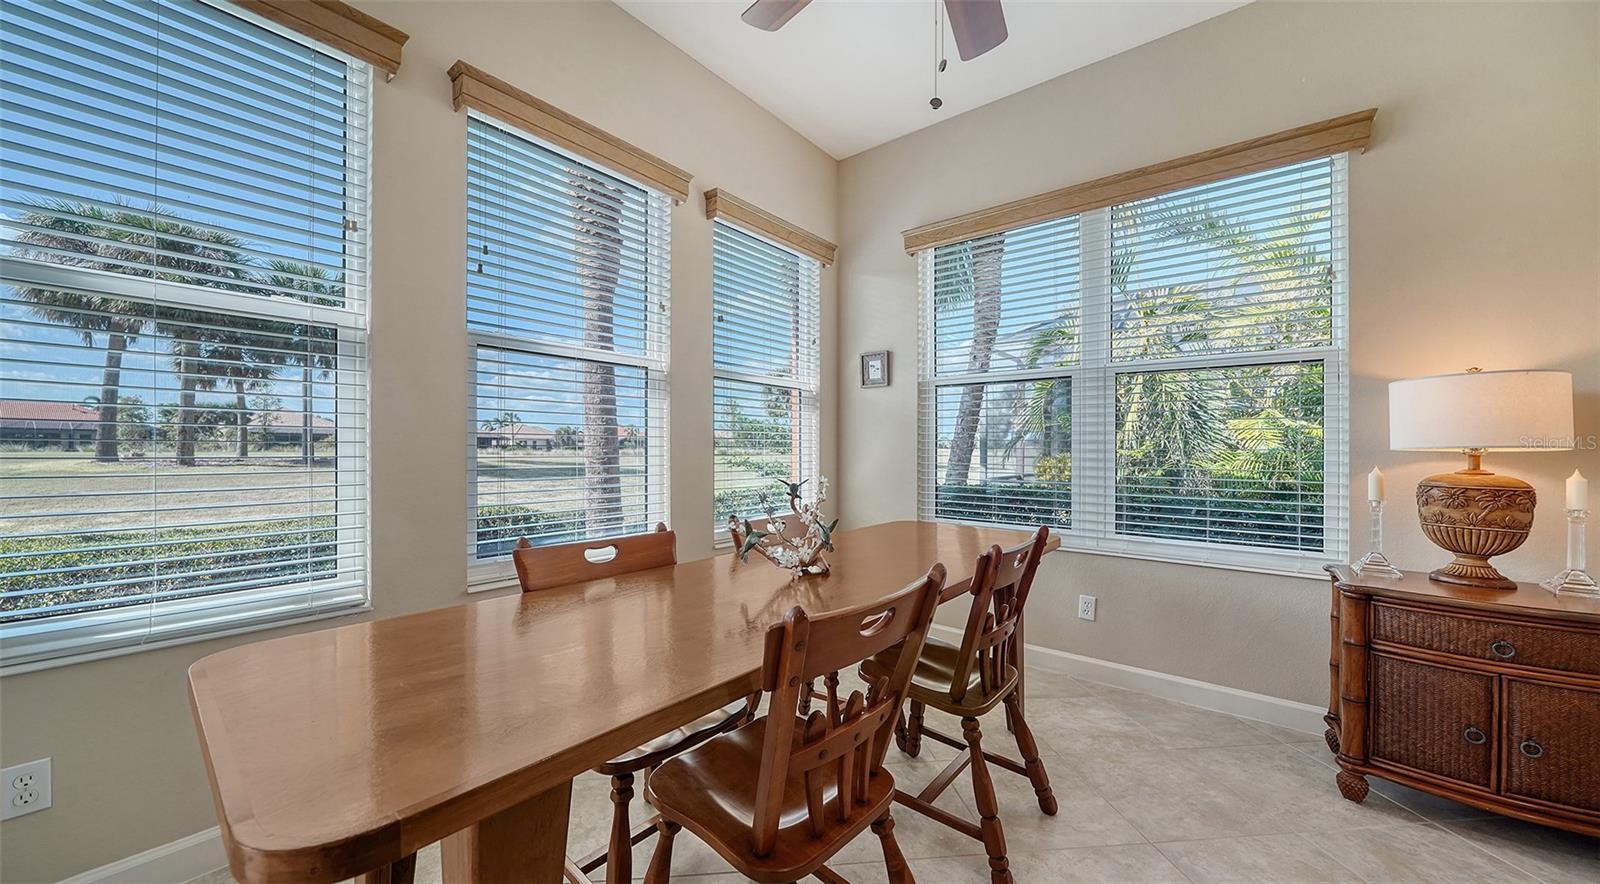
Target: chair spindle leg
{"x": 660, "y": 871}
{"x": 914, "y": 730}
{"x": 899, "y": 871}
{"x": 1030, "y": 755}
{"x": 619, "y": 856}
{"x": 994, "y": 837}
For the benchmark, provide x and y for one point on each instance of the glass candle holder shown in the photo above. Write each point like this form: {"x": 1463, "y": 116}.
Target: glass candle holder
{"x": 1374, "y": 564}
{"x": 1575, "y": 580}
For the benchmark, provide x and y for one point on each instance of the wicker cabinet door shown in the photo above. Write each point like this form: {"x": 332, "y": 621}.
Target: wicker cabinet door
{"x": 1433, "y": 718}
{"x": 1553, "y": 743}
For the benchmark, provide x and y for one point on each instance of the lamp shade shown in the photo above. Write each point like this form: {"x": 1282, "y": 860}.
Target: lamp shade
{"x": 1493, "y": 410}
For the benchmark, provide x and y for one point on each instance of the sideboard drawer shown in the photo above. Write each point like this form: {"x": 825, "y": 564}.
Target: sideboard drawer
{"x": 1496, "y": 641}
{"x": 1553, "y": 743}
{"x": 1433, "y": 718}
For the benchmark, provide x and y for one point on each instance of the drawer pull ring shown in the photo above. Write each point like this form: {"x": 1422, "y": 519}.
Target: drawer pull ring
{"x": 1531, "y": 749}
{"x": 1474, "y": 736}
{"x": 1503, "y": 649}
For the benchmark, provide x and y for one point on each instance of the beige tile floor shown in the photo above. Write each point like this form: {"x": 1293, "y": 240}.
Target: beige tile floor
{"x": 1155, "y": 791}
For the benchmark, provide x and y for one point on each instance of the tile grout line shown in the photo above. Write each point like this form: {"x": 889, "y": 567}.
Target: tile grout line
{"x": 1507, "y": 860}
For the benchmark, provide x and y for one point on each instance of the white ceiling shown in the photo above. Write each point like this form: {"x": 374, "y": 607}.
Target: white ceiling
{"x": 853, "y": 74}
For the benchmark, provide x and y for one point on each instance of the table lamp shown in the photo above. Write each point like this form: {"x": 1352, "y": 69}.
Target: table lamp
{"x": 1472, "y": 512}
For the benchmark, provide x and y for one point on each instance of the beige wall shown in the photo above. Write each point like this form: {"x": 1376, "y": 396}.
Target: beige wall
{"x": 1474, "y": 240}
{"x": 127, "y": 767}
{"x": 1480, "y": 198}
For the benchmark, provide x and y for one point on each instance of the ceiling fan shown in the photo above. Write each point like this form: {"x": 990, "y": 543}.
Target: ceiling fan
{"x": 979, "y": 25}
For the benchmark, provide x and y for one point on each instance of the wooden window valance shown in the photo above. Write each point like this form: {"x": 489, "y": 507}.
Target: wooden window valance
{"x": 1338, "y": 135}
{"x": 724, "y": 205}
{"x": 475, "y": 89}
{"x": 339, "y": 25}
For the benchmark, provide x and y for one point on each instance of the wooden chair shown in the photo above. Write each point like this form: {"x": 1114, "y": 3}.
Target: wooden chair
{"x": 968, "y": 682}
{"x": 778, "y": 797}
{"x": 543, "y": 567}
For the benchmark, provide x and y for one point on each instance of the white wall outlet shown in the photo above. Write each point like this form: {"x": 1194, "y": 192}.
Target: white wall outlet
{"x": 27, "y": 788}
{"x": 1085, "y": 607}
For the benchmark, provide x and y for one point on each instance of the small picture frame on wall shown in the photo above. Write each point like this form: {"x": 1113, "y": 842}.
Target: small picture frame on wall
{"x": 875, "y": 369}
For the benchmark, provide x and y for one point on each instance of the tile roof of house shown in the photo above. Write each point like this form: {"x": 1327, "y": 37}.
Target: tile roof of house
{"x": 26, "y": 412}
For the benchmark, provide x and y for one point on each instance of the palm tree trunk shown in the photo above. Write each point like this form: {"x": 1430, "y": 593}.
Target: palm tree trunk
{"x": 105, "y": 440}
{"x": 599, "y": 247}
{"x": 189, "y": 383}
{"x": 986, "y": 259}
{"x": 241, "y": 420}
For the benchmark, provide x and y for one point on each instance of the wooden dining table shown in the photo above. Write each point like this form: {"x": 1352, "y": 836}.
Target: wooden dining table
{"x": 334, "y": 753}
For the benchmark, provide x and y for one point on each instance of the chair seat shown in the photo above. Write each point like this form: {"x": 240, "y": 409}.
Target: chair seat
{"x": 936, "y": 674}
{"x": 710, "y": 790}
{"x": 671, "y": 743}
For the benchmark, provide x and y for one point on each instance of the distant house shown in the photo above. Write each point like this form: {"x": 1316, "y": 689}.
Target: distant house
{"x": 516, "y": 435}
{"x": 47, "y": 424}
{"x": 288, "y": 427}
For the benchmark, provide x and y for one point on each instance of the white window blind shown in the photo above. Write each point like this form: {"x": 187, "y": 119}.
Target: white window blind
{"x": 567, "y": 309}
{"x": 765, "y": 366}
{"x": 183, "y": 296}
{"x": 1163, "y": 378}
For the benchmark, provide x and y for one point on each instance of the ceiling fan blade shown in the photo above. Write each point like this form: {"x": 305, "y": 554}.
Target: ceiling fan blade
{"x": 770, "y": 15}
{"x": 979, "y": 25}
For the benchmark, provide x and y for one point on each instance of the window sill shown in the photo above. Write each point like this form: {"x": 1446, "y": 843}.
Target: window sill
{"x": 1171, "y": 552}
{"x": 7, "y": 670}
{"x": 1158, "y": 552}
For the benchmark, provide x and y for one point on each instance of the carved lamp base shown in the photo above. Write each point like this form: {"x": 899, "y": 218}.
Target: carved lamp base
{"x": 1475, "y": 514}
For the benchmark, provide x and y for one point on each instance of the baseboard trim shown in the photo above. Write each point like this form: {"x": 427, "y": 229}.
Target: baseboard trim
{"x": 176, "y": 861}
{"x": 1218, "y": 698}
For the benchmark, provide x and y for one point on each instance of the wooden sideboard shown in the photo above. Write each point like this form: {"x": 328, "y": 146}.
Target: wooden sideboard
{"x": 1487, "y": 697}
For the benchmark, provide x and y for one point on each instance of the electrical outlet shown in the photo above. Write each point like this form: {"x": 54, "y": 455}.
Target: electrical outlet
{"x": 27, "y": 788}
{"x": 1086, "y": 607}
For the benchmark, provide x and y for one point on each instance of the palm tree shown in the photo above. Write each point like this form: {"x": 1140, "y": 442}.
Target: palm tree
{"x": 138, "y": 241}
{"x": 598, "y": 221}
{"x": 245, "y": 362}
{"x": 82, "y": 235}
{"x": 979, "y": 261}
{"x": 313, "y": 347}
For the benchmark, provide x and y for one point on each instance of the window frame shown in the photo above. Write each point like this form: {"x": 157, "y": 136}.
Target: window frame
{"x": 1093, "y": 378}
{"x": 112, "y": 631}
{"x": 498, "y": 572}
{"x": 806, "y": 383}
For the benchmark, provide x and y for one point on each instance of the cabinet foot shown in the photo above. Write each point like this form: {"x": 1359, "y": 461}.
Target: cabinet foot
{"x": 1331, "y": 737}
{"x": 1352, "y": 786}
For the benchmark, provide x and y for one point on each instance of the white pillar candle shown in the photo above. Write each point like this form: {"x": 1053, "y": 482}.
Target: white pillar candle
{"x": 1375, "y": 485}
{"x": 1577, "y": 491}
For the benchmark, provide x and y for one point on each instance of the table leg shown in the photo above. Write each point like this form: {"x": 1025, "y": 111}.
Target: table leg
{"x": 523, "y": 843}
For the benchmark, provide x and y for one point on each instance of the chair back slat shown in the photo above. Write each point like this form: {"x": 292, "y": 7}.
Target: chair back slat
{"x": 541, "y": 567}
{"x": 845, "y": 743}
{"x": 1000, "y": 585}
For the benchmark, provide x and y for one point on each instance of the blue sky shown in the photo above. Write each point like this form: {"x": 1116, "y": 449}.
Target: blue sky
{"x": 225, "y": 125}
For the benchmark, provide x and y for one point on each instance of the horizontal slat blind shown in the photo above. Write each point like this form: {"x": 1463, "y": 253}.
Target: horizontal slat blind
{"x": 1179, "y": 393}
{"x": 1238, "y": 266}
{"x": 183, "y": 190}
{"x": 765, "y": 361}
{"x": 1007, "y": 302}
{"x": 1001, "y": 306}
{"x": 567, "y": 305}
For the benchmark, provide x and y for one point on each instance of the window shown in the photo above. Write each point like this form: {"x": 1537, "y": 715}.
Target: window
{"x": 183, "y": 192}
{"x": 1164, "y": 377}
{"x": 765, "y": 364}
{"x": 567, "y": 310}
